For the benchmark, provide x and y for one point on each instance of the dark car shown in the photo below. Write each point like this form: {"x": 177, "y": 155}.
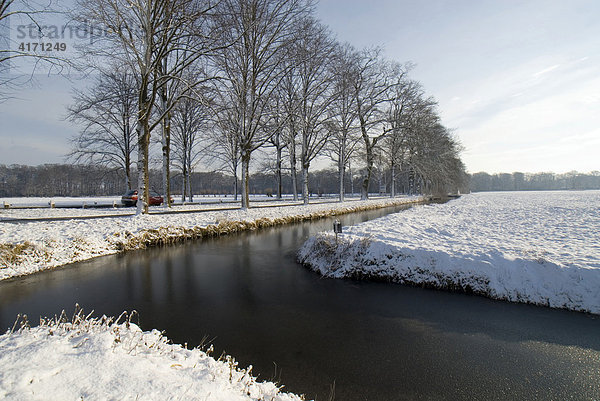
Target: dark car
{"x": 131, "y": 197}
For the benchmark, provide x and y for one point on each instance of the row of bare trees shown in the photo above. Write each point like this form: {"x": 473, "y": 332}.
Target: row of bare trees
{"x": 238, "y": 82}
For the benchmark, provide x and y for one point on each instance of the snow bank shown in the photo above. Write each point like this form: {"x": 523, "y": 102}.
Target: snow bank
{"x": 99, "y": 359}
{"x": 28, "y": 247}
{"x": 539, "y": 248}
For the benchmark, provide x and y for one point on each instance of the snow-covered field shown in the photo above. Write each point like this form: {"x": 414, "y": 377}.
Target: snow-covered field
{"x": 30, "y": 246}
{"x": 99, "y": 359}
{"x": 533, "y": 247}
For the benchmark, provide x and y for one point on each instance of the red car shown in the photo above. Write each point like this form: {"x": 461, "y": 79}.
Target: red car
{"x": 131, "y": 197}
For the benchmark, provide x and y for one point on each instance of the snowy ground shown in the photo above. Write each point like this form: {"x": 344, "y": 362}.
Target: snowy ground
{"x": 95, "y": 201}
{"x": 98, "y": 359}
{"x": 533, "y": 247}
{"x": 39, "y": 207}
{"x": 30, "y": 246}
{"x": 92, "y": 201}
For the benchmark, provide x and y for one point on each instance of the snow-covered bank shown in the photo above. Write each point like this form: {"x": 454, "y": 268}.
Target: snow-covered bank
{"x": 99, "y": 359}
{"x": 28, "y": 247}
{"x": 539, "y": 248}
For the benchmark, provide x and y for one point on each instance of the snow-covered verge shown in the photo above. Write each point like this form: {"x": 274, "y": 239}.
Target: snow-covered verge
{"x": 539, "y": 248}
{"x": 28, "y": 247}
{"x": 40, "y": 207}
{"x": 94, "y": 201}
{"x": 86, "y": 358}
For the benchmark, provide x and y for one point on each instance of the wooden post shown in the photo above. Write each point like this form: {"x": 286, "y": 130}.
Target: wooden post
{"x": 337, "y": 229}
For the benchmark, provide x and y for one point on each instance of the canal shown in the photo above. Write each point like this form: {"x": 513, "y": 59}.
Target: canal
{"x": 247, "y": 295}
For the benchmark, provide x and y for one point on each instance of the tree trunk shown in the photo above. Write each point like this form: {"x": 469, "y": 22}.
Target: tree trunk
{"x": 128, "y": 175}
{"x": 293, "y": 171}
{"x": 341, "y": 173}
{"x": 393, "y": 183}
{"x": 235, "y": 187}
{"x": 189, "y": 179}
{"x": 364, "y": 190}
{"x": 166, "y": 144}
{"x": 245, "y": 181}
{"x": 364, "y": 194}
{"x": 140, "y": 171}
{"x": 305, "y": 194}
{"x": 278, "y": 171}
{"x": 146, "y": 167}
{"x": 351, "y": 177}
{"x": 142, "y": 165}
{"x": 183, "y": 184}
{"x": 127, "y": 155}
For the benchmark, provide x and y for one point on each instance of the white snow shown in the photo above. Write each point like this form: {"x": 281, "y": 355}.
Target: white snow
{"x": 39, "y": 207}
{"x": 50, "y": 244}
{"x": 58, "y": 201}
{"x": 533, "y": 247}
{"x": 98, "y": 359}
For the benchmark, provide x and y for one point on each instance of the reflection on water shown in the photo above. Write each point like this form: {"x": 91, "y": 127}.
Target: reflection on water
{"x": 375, "y": 341}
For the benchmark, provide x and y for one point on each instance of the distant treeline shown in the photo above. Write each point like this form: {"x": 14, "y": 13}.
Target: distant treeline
{"x": 534, "y": 182}
{"x": 87, "y": 180}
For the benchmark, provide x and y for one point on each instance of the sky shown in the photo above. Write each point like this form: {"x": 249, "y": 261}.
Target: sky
{"x": 518, "y": 82}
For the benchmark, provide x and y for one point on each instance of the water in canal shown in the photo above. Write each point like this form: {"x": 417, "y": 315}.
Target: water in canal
{"x": 368, "y": 341}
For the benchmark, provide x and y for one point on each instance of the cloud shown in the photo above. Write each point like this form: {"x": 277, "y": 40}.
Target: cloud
{"x": 545, "y": 71}
{"x": 549, "y": 121}
{"x": 32, "y": 153}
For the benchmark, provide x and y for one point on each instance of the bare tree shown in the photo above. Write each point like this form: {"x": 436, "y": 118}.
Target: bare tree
{"x": 344, "y": 136}
{"x": 406, "y": 103}
{"x": 429, "y": 153}
{"x": 259, "y": 31}
{"x": 167, "y": 90}
{"x": 437, "y": 160}
{"x": 289, "y": 103}
{"x": 278, "y": 141}
{"x": 374, "y": 79}
{"x": 144, "y": 34}
{"x": 189, "y": 120}
{"x": 31, "y": 13}
{"x": 229, "y": 146}
{"x": 182, "y": 87}
{"x": 406, "y": 141}
{"x": 224, "y": 139}
{"x": 313, "y": 48}
{"x": 106, "y": 113}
